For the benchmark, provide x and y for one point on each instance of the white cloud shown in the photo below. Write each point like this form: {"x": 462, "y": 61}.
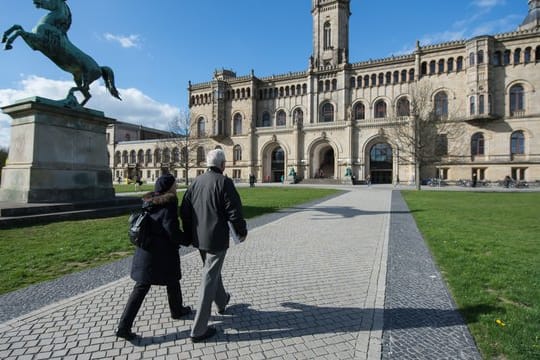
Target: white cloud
{"x": 124, "y": 41}
{"x": 135, "y": 107}
{"x": 488, "y": 4}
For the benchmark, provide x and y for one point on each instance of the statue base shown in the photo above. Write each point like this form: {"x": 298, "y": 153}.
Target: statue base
{"x": 56, "y": 154}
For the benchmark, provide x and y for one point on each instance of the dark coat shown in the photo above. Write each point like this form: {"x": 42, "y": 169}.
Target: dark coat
{"x": 160, "y": 264}
{"x": 208, "y": 205}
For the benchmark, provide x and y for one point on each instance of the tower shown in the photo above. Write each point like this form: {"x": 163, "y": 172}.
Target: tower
{"x": 330, "y": 32}
{"x": 532, "y": 21}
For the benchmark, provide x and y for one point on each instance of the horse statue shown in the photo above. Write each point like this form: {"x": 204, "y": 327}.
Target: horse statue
{"x": 50, "y": 37}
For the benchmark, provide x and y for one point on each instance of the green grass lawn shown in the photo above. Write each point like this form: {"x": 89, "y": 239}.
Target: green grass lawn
{"x": 487, "y": 246}
{"x": 29, "y": 255}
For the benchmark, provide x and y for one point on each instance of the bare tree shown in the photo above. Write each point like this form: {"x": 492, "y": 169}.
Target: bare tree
{"x": 424, "y": 126}
{"x": 186, "y": 139}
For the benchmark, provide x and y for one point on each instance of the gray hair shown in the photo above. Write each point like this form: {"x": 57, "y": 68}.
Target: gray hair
{"x": 215, "y": 158}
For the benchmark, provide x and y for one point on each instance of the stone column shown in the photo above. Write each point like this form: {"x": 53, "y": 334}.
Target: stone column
{"x": 56, "y": 154}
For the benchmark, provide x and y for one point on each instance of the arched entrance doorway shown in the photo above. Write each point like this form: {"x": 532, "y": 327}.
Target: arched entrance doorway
{"x": 277, "y": 167}
{"x": 323, "y": 161}
{"x": 380, "y": 163}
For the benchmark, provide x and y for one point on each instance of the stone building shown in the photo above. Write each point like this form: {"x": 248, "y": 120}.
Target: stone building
{"x": 338, "y": 119}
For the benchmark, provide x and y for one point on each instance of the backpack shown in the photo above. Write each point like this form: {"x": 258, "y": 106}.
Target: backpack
{"x": 139, "y": 228}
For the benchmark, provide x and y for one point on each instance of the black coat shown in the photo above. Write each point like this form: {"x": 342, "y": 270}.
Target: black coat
{"x": 160, "y": 264}
{"x": 208, "y": 205}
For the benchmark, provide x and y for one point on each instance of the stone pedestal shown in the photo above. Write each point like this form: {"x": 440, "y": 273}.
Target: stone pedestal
{"x": 56, "y": 154}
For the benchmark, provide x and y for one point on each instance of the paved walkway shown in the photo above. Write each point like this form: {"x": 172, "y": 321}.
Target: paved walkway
{"x": 345, "y": 278}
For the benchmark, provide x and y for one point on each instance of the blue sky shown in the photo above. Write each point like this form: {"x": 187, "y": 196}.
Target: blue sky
{"x": 156, "y": 47}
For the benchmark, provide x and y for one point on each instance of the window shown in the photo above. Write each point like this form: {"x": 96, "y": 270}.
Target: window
{"x": 497, "y": 58}
{"x": 237, "y": 124}
{"x": 396, "y": 77}
{"x": 281, "y": 118}
{"x": 517, "y": 143}
{"x": 537, "y": 54}
{"x": 200, "y": 127}
{"x": 327, "y": 36}
{"x": 176, "y": 155}
{"x": 334, "y": 84}
{"x": 148, "y": 157}
{"x": 201, "y": 156}
{"x": 380, "y": 109}
{"x": 117, "y": 158}
{"x": 381, "y": 79}
{"x": 140, "y": 157}
{"x": 450, "y": 65}
{"x": 423, "y": 69}
{"x": 298, "y": 117}
{"x": 517, "y": 56}
{"x": 366, "y": 80}
{"x": 518, "y": 173}
{"x": 477, "y": 144}
{"x": 132, "y": 157}
{"x": 359, "y": 82}
{"x": 411, "y": 75}
{"x": 327, "y": 113}
{"x": 506, "y": 57}
{"x": 157, "y": 155}
{"x": 352, "y": 82}
{"x": 266, "y": 122}
{"x": 459, "y": 63}
{"x": 359, "y": 112}
{"x": 527, "y": 55}
{"x": 184, "y": 155}
{"x": 517, "y": 99}
{"x": 403, "y": 107}
{"x": 471, "y": 59}
{"x": 472, "y": 105}
{"x": 481, "y": 104}
{"x": 167, "y": 155}
{"x": 388, "y": 77}
{"x": 327, "y": 85}
{"x": 237, "y": 153}
{"x": 432, "y": 67}
{"x": 441, "y": 66}
{"x": 125, "y": 157}
{"x": 373, "y": 80}
{"x": 404, "y": 76}
{"x": 441, "y": 104}
{"x": 480, "y": 56}
{"x": 236, "y": 173}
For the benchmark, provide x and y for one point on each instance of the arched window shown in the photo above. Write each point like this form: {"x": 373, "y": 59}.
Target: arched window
{"x": 381, "y": 79}
{"x": 450, "y": 64}
{"x": 359, "y": 82}
{"x": 472, "y": 105}
{"x": 517, "y": 56}
{"x": 403, "y": 76}
{"x": 327, "y": 85}
{"x": 359, "y": 112}
{"x": 298, "y": 117}
{"x": 237, "y": 153}
{"x": 411, "y": 75}
{"x": 480, "y": 56}
{"x": 459, "y": 63}
{"x": 388, "y": 77}
{"x": 471, "y": 59}
{"x": 200, "y": 127}
{"x": 423, "y": 69}
{"x": 403, "y": 107}
{"x": 167, "y": 155}
{"x": 140, "y": 157}
{"x": 517, "y": 143}
{"x": 327, "y": 112}
{"x": 281, "y": 118}
{"x": 148, "y": 157}
{"x": 396, "y": 77}
{"x": 537, "y": 54}
{"x": 366, "y": 80}
{"x": 506, "y": 57}
{"x": 527, "y": 55}
{"x": 132, "y": 157}
{"x": 352, "y": 82}
{"x": 237, "y": 124}
{"x": 481, "y": 104}
{"x": 380, "y": 109}
{"x": 176, "y": 155}
{"x": 373, "y": 80}
{"x": 432, "y": 67}
{"x": 327, "y": 36}
{"x": 441, "y": 66}
{"x": 497, "y": 58}
{"x": 334, "y": 84}
{"x": 184, "y": 155}
{"x": 517, "y": 99}
{"x": 117, "y": 158}
{"x": 441, "y": 104}
{"x": 477, "y": 144}
{"x": 201, "y": 156}
{"x": 266, "y": 121}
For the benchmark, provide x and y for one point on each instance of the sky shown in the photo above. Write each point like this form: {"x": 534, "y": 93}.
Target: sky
{"x": 156, "y": 47}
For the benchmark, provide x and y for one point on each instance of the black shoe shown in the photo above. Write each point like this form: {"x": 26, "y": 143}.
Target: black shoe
{"x": 126, "y": 334}
{"x": 184, "y": 310}
{"x": 222, "y": 311}
{"x": 211, "y": 331}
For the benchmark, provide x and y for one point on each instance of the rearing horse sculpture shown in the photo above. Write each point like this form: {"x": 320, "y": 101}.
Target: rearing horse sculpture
{"x": 50, "y": 37}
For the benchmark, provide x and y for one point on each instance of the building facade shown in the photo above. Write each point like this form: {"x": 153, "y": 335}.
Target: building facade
{"x": 338, "y": 119}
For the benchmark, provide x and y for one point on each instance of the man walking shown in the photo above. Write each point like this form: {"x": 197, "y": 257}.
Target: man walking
{"x": 209, "y": 205}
